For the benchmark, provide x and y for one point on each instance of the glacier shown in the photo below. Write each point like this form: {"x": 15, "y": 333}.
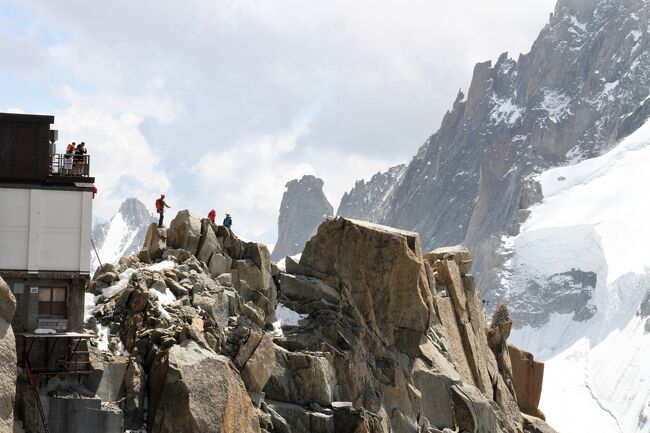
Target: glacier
{"x": 593, "y": 223}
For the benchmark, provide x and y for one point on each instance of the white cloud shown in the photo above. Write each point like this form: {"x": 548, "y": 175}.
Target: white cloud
{"x": 204, "y": 96}
{"x": 248, "y": 179}
{"x": 120, "y": 156}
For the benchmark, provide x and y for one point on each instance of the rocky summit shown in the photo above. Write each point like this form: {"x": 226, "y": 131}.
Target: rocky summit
{"x": 202, "y": 332}
{"x": 303, "y": 208}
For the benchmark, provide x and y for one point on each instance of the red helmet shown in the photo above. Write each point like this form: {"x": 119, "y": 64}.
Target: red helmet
{"x": 162, "y": 195}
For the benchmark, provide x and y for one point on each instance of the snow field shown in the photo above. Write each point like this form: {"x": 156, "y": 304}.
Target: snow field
{"x": 594, "y": 217}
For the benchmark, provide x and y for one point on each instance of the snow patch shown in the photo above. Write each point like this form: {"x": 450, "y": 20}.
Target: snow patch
{"x": 102, "y": 337}
{"x": 577, "y": 24}
{"x": 505, "y": 111}
{"x": 121, "y": 284}
{"x": 556, "y": 104}
{"x": 165, "y": 264}
{"x": 282, "y": 264}
{"x": 286, "y": 317}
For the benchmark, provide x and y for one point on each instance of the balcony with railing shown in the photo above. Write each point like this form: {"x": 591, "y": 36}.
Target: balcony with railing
{"x": 70, "y": 166}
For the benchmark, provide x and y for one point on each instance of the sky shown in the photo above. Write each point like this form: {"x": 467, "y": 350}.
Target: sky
{"x": 218, "y": 104}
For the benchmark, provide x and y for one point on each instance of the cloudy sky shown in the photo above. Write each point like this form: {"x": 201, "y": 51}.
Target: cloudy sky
{"x": 218, "y": 103}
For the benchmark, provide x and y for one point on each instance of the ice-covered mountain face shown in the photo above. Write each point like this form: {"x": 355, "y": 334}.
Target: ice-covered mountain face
{"x": 304, "y": 206}
{"x": 582, "y": 87}
{"x": 578, "y": 284}
{"x": 123, "y": 234}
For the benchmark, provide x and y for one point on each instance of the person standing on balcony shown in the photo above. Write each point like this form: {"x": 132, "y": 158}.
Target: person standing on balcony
{"x": 79, "y": 159}
{"x": 67, "y": 159}
{"x": 160, "y": 208}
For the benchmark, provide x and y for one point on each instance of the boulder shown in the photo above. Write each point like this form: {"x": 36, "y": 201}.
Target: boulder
{"x": 215, "y": 303}
{"x": 536, "y": 425}
{"x": 246, "y": 350}
{"x": 475, "y": 413}
{"x": 459, "y": 254}
{"x": 527, "y": 378}
{"x": 134, "y": 396}
{"x": 155, "y": 241}
{"x": 497, "y": 337}
{"x": 246, "y": 270}
{"x": 209, "y": 244}
{"x": 259, "y": 367}
{"x": 144, "y": 257}
{"x": 260, "y": 255}
{"x": 194, "y": 390}
{"x": 306, "y": 289}
{"x": 7, "y": 302}
{"x": 7, "y": 358}
{"x": 219, "y": 264}
{"x": 231, "y": 244}
{"x": 436, "y": 394}
{"x": 379, "y": 270}
{"x": 301, "y": 378}
{"x": 104, "y": 269}
{"x": 184, "y": 232}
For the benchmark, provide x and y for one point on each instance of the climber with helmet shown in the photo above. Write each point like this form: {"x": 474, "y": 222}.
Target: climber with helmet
{"x": 227, "y": 221}
{"x": 212, "y": 215}
{"x": 160, "y": 208}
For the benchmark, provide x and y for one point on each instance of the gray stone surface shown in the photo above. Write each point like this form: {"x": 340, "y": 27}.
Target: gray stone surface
{"x": 193, "y": 390}
{"x": 184, "y": 232}
{"x": 155, "y": 241}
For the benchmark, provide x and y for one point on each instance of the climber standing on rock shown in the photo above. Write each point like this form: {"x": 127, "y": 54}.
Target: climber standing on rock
{"x": 212, "y": 215}
{"x": 160, "y": 208}
{"x": 227, "y": 221}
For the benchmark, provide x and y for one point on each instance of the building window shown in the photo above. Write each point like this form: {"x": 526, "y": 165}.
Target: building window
{"x": 51, "y": 302}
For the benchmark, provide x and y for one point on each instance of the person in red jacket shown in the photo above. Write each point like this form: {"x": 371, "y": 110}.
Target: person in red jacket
{"x": 160, "y": 208}
{"x": 212, "y": 215}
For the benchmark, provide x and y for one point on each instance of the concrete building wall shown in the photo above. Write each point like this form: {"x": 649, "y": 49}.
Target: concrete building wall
{"x": 45, "y": 229}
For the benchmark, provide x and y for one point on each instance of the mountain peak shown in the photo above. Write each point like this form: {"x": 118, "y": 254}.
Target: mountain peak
{"x": 304, "y": 206}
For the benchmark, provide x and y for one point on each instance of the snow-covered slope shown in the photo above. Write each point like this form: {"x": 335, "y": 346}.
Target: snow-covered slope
{"x": 578, "y": 273}
{"x": 123, "y": 234}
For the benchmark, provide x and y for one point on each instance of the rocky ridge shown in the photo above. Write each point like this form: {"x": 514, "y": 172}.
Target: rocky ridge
{"x": 303, "y": 208}
{"x": 580, "y": 89}
{"x": 369, "y": 335}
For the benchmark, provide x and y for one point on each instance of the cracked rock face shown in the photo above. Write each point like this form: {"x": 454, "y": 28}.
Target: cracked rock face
{"x": 303, "y": 208}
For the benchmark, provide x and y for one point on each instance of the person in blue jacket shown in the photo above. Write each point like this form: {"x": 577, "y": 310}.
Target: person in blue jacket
{"x": 227, "y": 221}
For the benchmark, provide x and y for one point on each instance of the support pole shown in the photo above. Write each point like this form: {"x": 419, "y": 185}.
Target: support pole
{"x": 96, "y": 254}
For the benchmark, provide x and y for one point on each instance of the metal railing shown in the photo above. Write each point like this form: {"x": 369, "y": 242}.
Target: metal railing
{"x": 70, "y": 165}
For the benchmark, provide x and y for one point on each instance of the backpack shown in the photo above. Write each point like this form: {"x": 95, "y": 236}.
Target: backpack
{"x": 158, "y": 205}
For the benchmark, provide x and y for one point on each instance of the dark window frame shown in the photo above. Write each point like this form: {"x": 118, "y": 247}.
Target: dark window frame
{"x": 51, "y": 308}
